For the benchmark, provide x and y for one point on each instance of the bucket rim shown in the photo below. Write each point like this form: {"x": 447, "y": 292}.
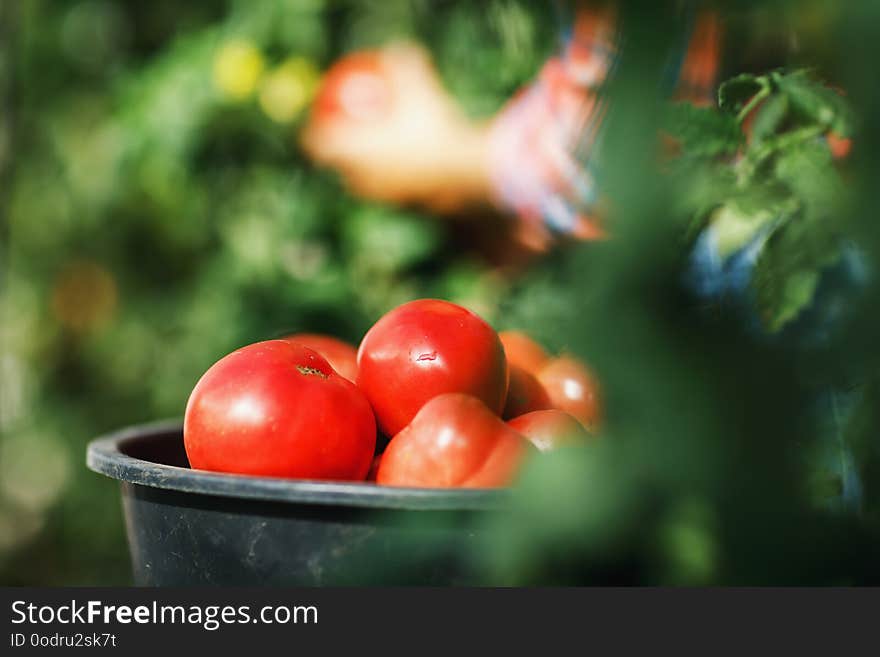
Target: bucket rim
{"x": 105, "y": 455}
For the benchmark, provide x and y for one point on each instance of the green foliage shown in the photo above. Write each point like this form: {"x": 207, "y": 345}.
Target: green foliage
{"x": 734, "y": 94}
{"x": 387, "y": 241}
{"x": 159, "y": 218}
{"x": 780, "y": 183}
{"x": 725, "y": 452}
{"x": 703, "y": 132}
{"x": 154, "y": 223}
{"x": 816, "y": 103}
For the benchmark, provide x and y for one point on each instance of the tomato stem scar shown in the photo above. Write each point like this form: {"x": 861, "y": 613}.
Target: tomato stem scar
{"x": 310, "y": 371}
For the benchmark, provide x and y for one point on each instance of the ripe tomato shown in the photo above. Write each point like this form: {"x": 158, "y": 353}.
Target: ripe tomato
{"x": 356, "y": 88}
{"x": 341, "y": 355}
{"x": 522, "y": 351}
{"x": 550, "y": 429}
{"x": 454, "y": 440}
{"x": 524, "y": 394}
{"x": 278, "y": 409}
{"x": 426, "y": 348}
{"x": 572, "y": 388}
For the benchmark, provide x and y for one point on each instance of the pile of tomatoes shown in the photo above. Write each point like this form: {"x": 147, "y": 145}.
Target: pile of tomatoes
{"x": 454, "y": 404}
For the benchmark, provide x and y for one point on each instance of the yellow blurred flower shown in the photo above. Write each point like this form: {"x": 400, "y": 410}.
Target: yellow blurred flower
{"x": 238, "y": 66}
{"x": 286, "y": 91}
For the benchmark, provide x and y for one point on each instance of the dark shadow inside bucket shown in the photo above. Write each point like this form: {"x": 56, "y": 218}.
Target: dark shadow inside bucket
{"x": 162, "y": 448}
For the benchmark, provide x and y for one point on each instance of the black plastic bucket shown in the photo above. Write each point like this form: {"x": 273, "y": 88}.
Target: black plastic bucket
{"x": 188, "y": 527}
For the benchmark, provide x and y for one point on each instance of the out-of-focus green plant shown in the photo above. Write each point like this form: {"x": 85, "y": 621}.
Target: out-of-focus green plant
{"x": 773, "y": 186}
{"x": 713, "y": 466}
{"x": 158, "y": 214}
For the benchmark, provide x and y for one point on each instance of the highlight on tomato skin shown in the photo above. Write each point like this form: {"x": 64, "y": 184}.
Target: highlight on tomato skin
{"x": 524, "y": 352}
{"x": 455, "y": 440}
{"x": 341, "y": 355}
{"x": 551, "y": 429}
{"x": 278, "y": 409}
{"x": 426, "y": 348}
{"x": 573, "y": 388}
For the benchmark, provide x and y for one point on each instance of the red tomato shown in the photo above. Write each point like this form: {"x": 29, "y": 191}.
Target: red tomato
{"x": 278, "y": 409}
{"x": 426, "y": 348}
{"x": 522, "y": 351}
{"x": 524, "y": 394}
{"x": 550, "y": 429}
{"x": 341, "y": 355}
{"x": 572, "y": 388}
{"x": 356, "y": 88}
{"x": 454, "y": 441}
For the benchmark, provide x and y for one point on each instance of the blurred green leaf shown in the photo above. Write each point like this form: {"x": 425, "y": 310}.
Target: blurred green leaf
{"x": 769, "y": 118}
{"x": 808, "y": 170}
{"x": 703, "y": 131}
{"x": 788, "y": 269}
{"x": 816, "y": 102}
{"x": 389, "y": 240}
{"x": 733, "y": 94}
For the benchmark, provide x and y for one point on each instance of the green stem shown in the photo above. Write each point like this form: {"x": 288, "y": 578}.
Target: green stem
{"x": 755, "y": 100}
{"x": 749, "y": 164}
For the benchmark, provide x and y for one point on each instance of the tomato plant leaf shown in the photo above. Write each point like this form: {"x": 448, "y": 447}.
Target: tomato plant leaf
{"x": 807, "y": 169}
{"x": 781, "y": 194}
{"x": 702, "y": 131}
{"x": 768, "y": 118}
{"x": 790, "y": 265}
{"x": 816, "y": 102}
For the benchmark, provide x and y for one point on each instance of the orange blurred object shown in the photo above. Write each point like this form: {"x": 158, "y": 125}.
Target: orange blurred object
{"x": 840, "y": 146}
{"x": 699, "y": 70}
{"x": 524, "y": 393}
{"x": 356, "y": 88}
{"x": 550, "y": 429}
{"x": 523, "y": 352}
{"x": 572, "y": 388}
{"x": 383, "y": 120}
{"x": 85, "y": 296}
{"x": 341, "y": 355}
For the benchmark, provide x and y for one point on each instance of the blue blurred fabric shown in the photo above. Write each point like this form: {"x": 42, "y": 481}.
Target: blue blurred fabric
{"x": 725, "y": 281}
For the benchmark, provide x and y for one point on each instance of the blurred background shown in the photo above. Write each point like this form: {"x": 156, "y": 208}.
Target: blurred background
{"x": 158, "y": 212}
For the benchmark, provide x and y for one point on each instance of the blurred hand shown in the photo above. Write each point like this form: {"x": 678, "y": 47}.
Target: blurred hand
{"x": 384, "y": 122}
